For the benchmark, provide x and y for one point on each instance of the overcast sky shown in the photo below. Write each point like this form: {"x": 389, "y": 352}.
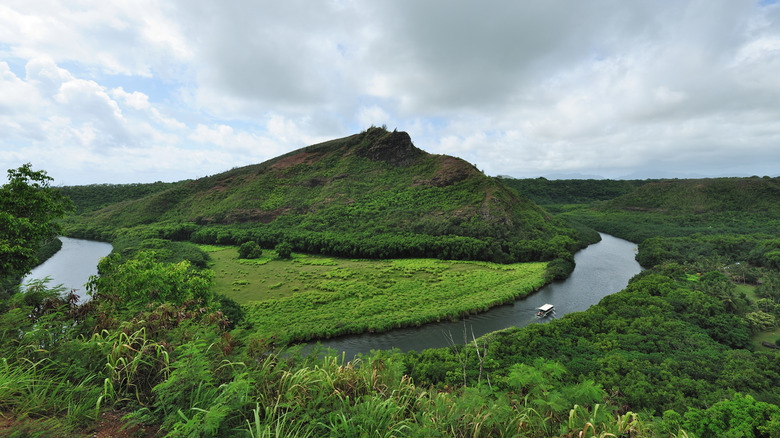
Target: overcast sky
{"x": 97, "y": 91}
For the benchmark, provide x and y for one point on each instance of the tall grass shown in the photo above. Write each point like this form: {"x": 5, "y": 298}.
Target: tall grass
{"x": 42, "y": 389}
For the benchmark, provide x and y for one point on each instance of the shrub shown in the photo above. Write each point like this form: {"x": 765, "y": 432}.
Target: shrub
{"x": 284, "y": 250}
{"x": 249, "y": 250}
{"x": 143, "y": 280}
{"x": 231, "y": 309}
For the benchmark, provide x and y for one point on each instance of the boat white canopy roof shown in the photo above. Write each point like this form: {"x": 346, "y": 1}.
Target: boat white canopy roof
{"x": 546, "y": 307}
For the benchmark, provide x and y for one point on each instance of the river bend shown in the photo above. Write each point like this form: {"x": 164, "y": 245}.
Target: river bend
{"x": 602, "y": 269}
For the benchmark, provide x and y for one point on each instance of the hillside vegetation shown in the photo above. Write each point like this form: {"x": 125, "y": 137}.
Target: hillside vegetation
{"x": 712, "y": 195}
{"x": 372, "y": 194}
{"x": 548, "y": 192}
{"x": 681, "y": 207}
{"x": 96, "y": 196}
{"x": 159, "y": 350}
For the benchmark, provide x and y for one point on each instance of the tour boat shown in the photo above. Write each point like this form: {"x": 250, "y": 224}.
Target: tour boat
{"x": 545, "y": 310}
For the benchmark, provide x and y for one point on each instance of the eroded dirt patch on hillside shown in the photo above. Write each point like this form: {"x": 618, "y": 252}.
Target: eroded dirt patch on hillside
{"x": 451, "y": 170}
{"x": 292, "y": 160}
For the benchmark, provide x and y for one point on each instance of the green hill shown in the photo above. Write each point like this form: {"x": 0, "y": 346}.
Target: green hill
{"x": 548, "y": 192}
{"x": 96, "y": 196}
{"x": 372, "y": 194}
{"x": 711, "y": 195}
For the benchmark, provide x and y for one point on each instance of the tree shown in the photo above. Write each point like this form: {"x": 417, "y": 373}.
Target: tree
{"x": 770, "y": 286}
{"x": 29, "y": 208}
{"x": 284, "y": 250}
{"x": 760, "y": 321}
{"x": 742, "y": 416}
{"x": 249, "y": 250}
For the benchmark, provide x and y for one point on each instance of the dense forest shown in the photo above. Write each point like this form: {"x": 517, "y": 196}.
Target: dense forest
{"x": 684, "y": 351}
{"x": 552, "y": 193}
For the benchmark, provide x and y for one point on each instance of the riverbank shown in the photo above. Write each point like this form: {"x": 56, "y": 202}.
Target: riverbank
{"x": 48, "y": 250}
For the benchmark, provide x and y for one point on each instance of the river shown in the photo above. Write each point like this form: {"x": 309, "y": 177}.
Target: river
{"x": 72, "y": 265}
{"x": 601, "y": 269}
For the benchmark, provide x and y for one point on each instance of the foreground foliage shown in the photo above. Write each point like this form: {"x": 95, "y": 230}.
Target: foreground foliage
{"x": 664, "y": 343}
{"x": 180, "y": 372}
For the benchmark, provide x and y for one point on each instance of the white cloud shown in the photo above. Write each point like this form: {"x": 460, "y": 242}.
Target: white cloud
{"x": 598, "y": 87}
{"x": 219, "y": 135}
{"x": 372, "y": 116}
{"x": 17, "y": 95}
{"x": 135, "y": 100}
{"x": 120, "y": 37}
{"x": 44, "y": 73}
{"x": 281, "y": 135}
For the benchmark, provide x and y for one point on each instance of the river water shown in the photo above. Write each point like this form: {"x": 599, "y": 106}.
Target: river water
{"x": 72, "y": 265}
{"x": 602, "y": 269}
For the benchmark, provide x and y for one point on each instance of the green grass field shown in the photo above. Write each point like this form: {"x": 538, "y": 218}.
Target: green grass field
{"x": 748, "y": 290}
{"x": 768, "y": 336}
{"x": 310, "y": 297}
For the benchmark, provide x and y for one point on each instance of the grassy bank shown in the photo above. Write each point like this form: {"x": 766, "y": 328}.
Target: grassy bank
{"x": 309, "y": 297}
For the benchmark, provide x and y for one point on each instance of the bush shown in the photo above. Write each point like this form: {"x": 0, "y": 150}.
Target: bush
{"x": 249, "y": 250}
{"x": 284, "y": 250}
{"x": 232, "y": 310}
{"x": 143, "y": 280}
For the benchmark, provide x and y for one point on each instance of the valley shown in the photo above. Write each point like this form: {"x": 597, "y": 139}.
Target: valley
{"x": 183, "y": 338}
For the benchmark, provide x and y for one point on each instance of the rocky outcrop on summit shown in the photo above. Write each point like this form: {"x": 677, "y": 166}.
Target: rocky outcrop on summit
{"x": 394, "y": 148}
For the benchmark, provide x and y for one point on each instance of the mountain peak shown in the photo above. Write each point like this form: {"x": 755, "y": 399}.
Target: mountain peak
{"x": 395, "y": 148}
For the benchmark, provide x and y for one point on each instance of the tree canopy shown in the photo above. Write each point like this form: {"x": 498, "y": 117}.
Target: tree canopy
{"x": 29, "y": 208}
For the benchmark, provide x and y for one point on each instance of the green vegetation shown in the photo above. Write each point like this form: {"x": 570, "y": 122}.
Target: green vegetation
{"x": 96, "y": 196}
{"x": 143, "y": 279}
{"x": 283, "y": 250}
{"x": 370, "y": 195}
{"x": 663, "y": 343}
{"x": 313, "y": 297}
{"x": 560, "y": 192}
{"x": 675, "y": 354}
{"x": 250, "y": 250}
{"x": 177, "y": 372}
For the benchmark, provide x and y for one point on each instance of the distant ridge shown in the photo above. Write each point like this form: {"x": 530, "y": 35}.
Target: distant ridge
{"x": 704, "y": 195}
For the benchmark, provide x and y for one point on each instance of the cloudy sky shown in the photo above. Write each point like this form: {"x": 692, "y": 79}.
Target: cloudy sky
{"x": 96, "y": 91}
